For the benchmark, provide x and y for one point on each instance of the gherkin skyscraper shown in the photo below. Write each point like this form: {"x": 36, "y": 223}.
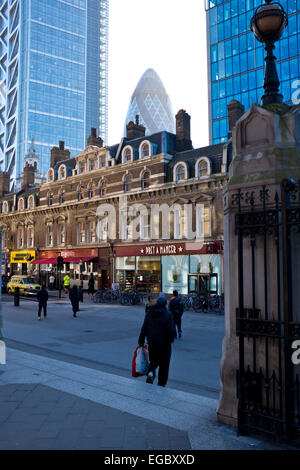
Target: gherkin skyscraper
{"x": 152, "y": 104}
{"x": 53, "y": 77}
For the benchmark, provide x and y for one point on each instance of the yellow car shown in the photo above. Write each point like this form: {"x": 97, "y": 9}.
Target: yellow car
{"x": 27, "y": 285}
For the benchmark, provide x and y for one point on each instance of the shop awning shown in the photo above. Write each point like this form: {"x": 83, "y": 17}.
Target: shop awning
{"x": 66, "y": 260}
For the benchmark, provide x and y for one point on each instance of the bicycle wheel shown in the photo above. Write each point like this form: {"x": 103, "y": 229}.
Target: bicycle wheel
{"x": 125, "y": 299}
{"x": 196, "y": 304}
{"x": 108, "y": 297}
{"x": 97, "y": 297}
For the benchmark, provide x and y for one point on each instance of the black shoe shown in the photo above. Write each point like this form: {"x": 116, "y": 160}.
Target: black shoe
{"x": 180, "y": 334}
{"x": 150, "y": 378}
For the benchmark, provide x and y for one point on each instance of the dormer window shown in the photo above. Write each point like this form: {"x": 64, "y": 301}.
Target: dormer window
{"x": 203, "y": 169}
{"x": 50, "y": 175}
{"x": 21, "y": 204}
{"x": 179, "y": 172}
{"x": 127, "y": 155}
{"x": 145, "y": 149}
{"x": 31, "y": 202}
{"x": 92, "y": 164}
{"x": 81, "y": 167}
{"x": 5, "y": 207}
{"x": 62, "y": 173}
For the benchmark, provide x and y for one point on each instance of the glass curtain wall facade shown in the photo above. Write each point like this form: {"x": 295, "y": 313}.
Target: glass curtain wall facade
{"x": 53, "y": 77}
{"x": 236, "y": 59}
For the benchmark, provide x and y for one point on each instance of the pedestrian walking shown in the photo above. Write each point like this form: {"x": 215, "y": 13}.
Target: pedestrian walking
{"x": 74, "y": 298}
{"x": 91, "y": 285}
{"x": 158, "y": 328}
{"x": 51, "y": 281}
{"x": 42, "y": 297}
{"x": 66, "y": 283}
{"x": 150, "y": 302}
{"x": 176, "y": 308}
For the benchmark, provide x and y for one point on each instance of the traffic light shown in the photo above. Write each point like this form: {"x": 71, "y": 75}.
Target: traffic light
{"x": 60, "y": 263}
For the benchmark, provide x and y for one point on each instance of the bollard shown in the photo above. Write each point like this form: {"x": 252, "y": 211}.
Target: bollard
{"x": 17, "y": 297}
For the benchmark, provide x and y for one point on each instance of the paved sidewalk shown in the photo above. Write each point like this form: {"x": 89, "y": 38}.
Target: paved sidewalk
{"x": 51, "y": 404}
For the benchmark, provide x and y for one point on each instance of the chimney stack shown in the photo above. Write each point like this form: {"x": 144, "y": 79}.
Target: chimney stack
{"x": 58, "y": 154}
{"x": 93, "y": 139}
{"x": 235, "y": 111}
{"x": 183, "y": 131}
{"x": 135, "y": 130}
{"x": 4, "y": 183}
{"x": 28, "y": 179}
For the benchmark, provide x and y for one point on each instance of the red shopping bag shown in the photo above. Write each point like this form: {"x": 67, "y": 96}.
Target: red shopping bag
{"x": 140, "y": 361}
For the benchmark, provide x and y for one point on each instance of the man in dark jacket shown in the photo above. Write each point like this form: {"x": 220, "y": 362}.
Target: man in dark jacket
{"x": 74, "y": 297}
{"x": 42, "y": 297}
{"x": 158, "y": 328}
{"x": 176, "y": 308}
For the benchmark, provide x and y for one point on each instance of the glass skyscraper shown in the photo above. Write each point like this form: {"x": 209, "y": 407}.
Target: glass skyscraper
{"x": 236, "y": 58}
{"x": 53, "y": 77}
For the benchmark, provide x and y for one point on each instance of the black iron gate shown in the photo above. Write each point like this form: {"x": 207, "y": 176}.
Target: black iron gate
{"x": 268, "y": 314}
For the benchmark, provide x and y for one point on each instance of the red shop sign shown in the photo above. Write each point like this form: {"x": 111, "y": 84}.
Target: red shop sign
{"x": 165, "y": 249}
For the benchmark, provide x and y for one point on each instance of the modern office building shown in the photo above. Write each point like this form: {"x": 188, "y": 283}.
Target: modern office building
{"x": 152, "y": 104}
{"x": 236, "y": 58}
{"x": 53, "y": 77}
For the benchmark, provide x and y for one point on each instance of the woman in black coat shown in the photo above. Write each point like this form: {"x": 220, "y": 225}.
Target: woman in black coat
{"x": 91, "y": 285}
{"x": 74, "y": 297}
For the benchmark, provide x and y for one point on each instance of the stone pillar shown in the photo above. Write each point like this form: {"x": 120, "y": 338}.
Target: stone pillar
{"x": 266, "y": 149}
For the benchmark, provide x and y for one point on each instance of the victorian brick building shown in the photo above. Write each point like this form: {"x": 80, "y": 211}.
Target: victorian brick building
{"x": 97, "y": 210}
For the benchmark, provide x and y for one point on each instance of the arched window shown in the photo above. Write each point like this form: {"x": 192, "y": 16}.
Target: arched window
{"x": 20, "y": 237}
{"x": 50, "y": 199}
{"x": 127, "y": 155}
{"x": 127, "y": 183}
{"x": 5, "y": 207}
{"x": 202, "y": 168}
{"x": 50, "y": 175}
{"x": 145, "y": 179}
{"x": 62, "y": 172}
{"x": 145, "y": 150}
{"x": 102, "y": 188}
{"x": 21, "y": 204}
{"x": 31, "y": 202}
{"x": 91, "y": 190}
{"x": 180, "y": 172}
{"x": 30, "y": 236}
{"x": 80, "y": 193}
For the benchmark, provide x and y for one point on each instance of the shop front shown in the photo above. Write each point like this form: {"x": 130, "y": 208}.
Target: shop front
{"x": 20, "y": 262}
{"x": 164, "y": 267}
{"x": 78, "y": 263}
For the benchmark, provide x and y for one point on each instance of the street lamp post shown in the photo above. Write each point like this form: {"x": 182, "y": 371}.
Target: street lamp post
{"x": 268, "y": 24}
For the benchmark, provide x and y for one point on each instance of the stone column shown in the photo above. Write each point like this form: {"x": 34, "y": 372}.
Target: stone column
{"x": 266, "y": 149}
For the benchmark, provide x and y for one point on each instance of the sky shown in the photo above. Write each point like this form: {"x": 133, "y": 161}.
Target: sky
{"x": 170, "y": 37}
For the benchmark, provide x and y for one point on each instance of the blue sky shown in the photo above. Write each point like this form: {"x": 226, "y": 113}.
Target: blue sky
{"x": 169, "y": 36}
